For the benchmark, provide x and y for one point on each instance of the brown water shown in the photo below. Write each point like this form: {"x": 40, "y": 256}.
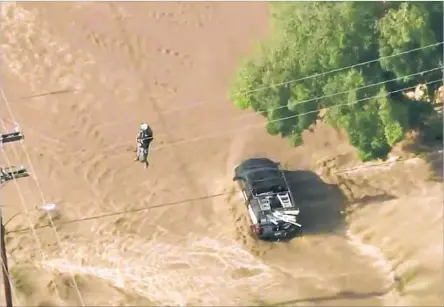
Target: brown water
{"x": 101, "y": 69}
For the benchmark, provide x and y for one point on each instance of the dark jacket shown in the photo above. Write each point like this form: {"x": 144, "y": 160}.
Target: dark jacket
{"x": 145, "y": 137}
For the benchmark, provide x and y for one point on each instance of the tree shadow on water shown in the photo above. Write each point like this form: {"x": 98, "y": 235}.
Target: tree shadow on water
{"x": 435, "y": 161}
{"x": 321, "y": 204}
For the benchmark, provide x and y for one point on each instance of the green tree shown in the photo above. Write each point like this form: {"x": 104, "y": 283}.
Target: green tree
{"x": 311, "y": 38}
{"x": 405, "y": 28}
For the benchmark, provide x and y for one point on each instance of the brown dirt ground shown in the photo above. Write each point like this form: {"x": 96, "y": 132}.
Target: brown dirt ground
{"x": 80, "y": 77}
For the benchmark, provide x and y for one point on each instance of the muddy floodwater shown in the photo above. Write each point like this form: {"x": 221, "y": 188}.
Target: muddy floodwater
{"x": 80, "y": 77}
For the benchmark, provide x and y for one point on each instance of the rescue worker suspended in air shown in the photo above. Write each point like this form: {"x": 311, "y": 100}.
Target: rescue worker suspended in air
{"x": 144, "y": 139}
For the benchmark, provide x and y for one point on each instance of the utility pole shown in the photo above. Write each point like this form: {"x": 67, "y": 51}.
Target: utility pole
{"x": 8, "y": 174}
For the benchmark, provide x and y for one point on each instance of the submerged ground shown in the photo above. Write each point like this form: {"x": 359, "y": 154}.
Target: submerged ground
{"x": 80, "y": 85}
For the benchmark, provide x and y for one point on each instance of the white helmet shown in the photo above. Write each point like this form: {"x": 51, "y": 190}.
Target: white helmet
{"x": 144, "y": 126}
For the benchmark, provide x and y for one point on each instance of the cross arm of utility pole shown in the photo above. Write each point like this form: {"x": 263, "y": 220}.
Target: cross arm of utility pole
{"x": 11, "y": 173}
{"x": 7, "y": 174}
{"x": 10, "y": 137}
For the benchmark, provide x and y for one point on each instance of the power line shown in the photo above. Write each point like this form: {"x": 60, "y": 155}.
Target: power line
{"x": 34, "y": 176}
{"x": 94, "y": 217}
{"x": 247, "y": 127}
{"x": 7, "y": 174}
{"x": 319, "y": 97}
{"x": 355, "y": 89}
{"x": 190, "y": 106}
{"x": 235, "y": 130}
{"x": 342, "y": 68}
{"x": 329, "y": 95}
{"x": 181, "y": 109}
{"x": 189, "y": 200}
{"x": 220, "y": 194}
{"x": 301, "y": 102}
{"x": 26, "y": 211}
{"x": 308, "y": 100}
{"x": 332, "y": 71}
{"x": 12, "y": 176}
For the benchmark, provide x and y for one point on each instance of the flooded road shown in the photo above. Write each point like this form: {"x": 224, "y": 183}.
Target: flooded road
{"x": 169, "y": 64}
